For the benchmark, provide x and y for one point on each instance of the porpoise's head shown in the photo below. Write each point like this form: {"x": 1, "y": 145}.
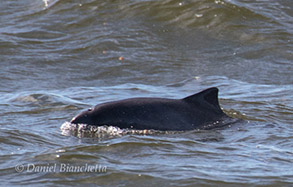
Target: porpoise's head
{"x": 85, "y": 117}
{"x": 102, "y": 114}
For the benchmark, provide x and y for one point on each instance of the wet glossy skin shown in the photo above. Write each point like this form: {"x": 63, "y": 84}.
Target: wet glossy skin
{"x": 188, "y": 113}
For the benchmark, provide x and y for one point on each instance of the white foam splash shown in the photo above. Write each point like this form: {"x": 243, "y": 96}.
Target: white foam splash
{"x": 46, "y": 3}
{"x": 49, "y": 3}
{"x": 83, "y": 130}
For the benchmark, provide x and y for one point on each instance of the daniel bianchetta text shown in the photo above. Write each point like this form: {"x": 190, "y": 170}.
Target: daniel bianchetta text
{"x": 61, "y": 168}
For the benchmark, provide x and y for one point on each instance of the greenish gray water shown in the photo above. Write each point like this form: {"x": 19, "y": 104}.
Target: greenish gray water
{"x": 60, "y": 57}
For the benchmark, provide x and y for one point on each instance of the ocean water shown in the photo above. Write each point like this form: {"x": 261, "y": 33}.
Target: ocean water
{"x": 58, "y": 58}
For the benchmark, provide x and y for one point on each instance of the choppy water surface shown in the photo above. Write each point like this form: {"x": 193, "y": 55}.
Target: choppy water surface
{"x": 60, "y": 57}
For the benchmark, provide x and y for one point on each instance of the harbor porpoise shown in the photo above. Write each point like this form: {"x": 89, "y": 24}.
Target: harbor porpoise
{"x": 198, "y": 111}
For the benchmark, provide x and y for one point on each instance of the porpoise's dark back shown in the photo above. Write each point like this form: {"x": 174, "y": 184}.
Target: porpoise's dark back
{"x": 193, "y": 112}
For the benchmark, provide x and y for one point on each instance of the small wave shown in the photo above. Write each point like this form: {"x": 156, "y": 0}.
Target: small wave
{"x": 39, "y": 99}
{"x": 37, "y": 103}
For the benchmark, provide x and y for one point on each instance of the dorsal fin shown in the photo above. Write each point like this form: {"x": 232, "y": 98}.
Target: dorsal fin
{"x": 206, "y": 98}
